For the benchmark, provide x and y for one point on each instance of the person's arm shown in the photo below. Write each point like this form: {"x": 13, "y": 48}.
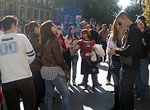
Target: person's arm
{"x": 109, "y": 44}
{"x": 80, "y": 42}
{"x": 67, "y": 42}
{"x": 134, "y": 41}
{"x": 147, "y": 42}
{"x": 30, "y": 53}
{"x": 58, "y": 56}
{"x": 88, "y": 42}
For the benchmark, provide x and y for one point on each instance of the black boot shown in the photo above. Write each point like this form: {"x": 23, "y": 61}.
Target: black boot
{"x": 85, "y": 86}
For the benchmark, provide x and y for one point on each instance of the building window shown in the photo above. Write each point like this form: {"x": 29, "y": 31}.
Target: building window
{"x": 22, "y": 12}
{"x": 11, "y": 8}
{"x": 42, "y": 15}
{"x": 29, "y": 1}
{"x": 29, "y": 14}
{"x": 48, "y": 2}
{"x": 40, "y": 1}
{"x": 36, "y": 14}
{"x": 47, "y": 15}
{"x": 33, "y": 0}
{"x": 1, "y": 5}
{"x": 22, "y": 1}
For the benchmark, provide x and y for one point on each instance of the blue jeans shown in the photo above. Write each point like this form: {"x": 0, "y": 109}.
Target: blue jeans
{"x": 74, "y": 60}
{"x": 141, "y": 88}
{"x": 60, "y": 83}
{"x": 116, "y": 78}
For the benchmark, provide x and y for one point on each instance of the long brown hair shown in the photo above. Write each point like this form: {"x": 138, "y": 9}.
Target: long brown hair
{"x": 69, "y": 35}
{"x": 46, "y": 32}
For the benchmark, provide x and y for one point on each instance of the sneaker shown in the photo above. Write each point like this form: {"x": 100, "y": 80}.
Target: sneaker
{"x": 115, "y": 107}
{"x": 107, "y": 82}
{"x": 112, "y": 108}
{"x": 93, "y": 89}
{"x": 98, "y": 84}
{"x": 139, "y": 98}
{"x": 85, "y": 87}
{"x": 73, "y": 82}
{"x": 81, "y": 84}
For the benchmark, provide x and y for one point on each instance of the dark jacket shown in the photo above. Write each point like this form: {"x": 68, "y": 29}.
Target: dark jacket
{"x": 36, "y": 64}
{"x": 132, "y": 47}
{"x": 145, "y": 49}
{"x": 94, "y": 36}
{"x": 101, "y": 40}
{"x": 52, "y": 55}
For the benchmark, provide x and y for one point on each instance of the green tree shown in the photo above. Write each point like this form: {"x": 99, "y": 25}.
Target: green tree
{"x": 146, "y": 10}
{"x": 102, "y": 11}
{"x": 133, "y": 10}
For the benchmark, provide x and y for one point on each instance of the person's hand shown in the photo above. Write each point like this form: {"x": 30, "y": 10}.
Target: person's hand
{"x": 70, "y": 47}
{"x": 92, "y": 49}
{"x": 67, "y": 78}
{"x": 38, "y": 54}
{"x": 67, "y": 75}
{"x": 143, "y": 42}
{"x": 112, "y": 51}
{"x": 88, "y": 42}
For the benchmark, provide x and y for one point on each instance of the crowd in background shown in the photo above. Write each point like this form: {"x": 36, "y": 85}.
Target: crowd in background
{"x": 34, "y": 63}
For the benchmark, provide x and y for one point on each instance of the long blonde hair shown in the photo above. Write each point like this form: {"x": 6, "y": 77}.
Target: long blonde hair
{"x": 115, "y": 33}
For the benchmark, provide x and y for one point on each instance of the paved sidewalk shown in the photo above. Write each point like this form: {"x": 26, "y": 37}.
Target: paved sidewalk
{"x": 102, "y": 99}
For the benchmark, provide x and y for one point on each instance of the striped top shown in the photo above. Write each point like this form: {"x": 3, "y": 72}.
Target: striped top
{"x": 50, "y": 73}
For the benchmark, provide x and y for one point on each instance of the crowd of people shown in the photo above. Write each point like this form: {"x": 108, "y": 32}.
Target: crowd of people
{"x": 33, "y": 64}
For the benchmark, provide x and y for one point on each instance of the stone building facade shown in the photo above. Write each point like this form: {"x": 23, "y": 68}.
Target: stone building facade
{"x": 27, "y": 10}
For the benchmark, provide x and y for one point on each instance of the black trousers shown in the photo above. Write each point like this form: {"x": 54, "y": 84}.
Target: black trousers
{"x": 39, "y": 88}
{"x": 127, "y": 80}
{"x": 23, "y": 89}
{"x": 104, "y": 45}
{"x": 88, "y": 67}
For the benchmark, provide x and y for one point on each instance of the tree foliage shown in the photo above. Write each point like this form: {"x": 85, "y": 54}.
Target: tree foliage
{"x": 133, "y": 10}
{"x": 102, "y": 11}
{"x": 146, "y": 10}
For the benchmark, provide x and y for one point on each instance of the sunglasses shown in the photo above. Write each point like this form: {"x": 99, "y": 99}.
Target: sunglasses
{"x": 140, "y": 22}
{"x": 119, "y": 23}
{"x": 84, "y": 33}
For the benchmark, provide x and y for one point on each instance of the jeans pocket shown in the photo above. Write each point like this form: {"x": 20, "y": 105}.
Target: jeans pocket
{"x": 61, "y": 78}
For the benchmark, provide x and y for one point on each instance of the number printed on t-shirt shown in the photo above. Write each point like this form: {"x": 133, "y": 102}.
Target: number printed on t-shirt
{"x": 8, "y": 48}
{"x": 87, "y": 45}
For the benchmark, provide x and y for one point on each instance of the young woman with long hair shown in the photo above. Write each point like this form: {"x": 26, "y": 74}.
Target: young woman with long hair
{"x": 53, "y": 66}
{"x": 71, "y": 41}
{"x": 114, "y": 41}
